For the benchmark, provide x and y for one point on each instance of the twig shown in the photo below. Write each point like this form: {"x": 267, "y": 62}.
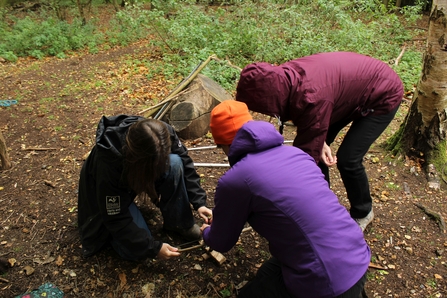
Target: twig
{"x": 162, "y": 102}
{"x": 400, "y": 56}
{"x": 6, "y": 253}
{"x": 191, "y": 247}
{"x": 38, "y": 149}
{"x": 159, "y": 116}
{"x": 21, "y": 214}
{"x": 184, "y": 83}
{"x": 34, "y": 225}
{"x": 416, "y": 27}
{"x": 435, "y": 215}
{"x": 212, "y": 287}
{"x": 372, "y": 265}
{"x": 8, "y": 217}
{"x": 4, "y": 280}
{"x": 228, "y": 62}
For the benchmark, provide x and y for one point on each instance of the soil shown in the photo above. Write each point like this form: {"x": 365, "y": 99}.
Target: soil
{"x": 51, "y": 129}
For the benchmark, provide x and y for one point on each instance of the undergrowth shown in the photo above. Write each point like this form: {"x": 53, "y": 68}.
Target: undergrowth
{"x": 239, "y": 32}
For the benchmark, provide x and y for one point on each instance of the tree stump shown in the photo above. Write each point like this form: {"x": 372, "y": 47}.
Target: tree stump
{"x": 190, "y": 116}
{"x": 6, "y": 163}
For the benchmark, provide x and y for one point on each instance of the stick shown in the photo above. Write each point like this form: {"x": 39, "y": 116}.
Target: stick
{"x": 6, "y": 253}
{"x": 159, "y": 116}
{"x": 372, "y": 265}
{"x": 190, "y": 248}
{"x": 185, "y": 82}
{"x": 162, "y": 102}
{"x": 400, "y": 56}
{"x": 38, "y": 149}
{"x": 4, "y": 280}
{"x": 228, "y": 62}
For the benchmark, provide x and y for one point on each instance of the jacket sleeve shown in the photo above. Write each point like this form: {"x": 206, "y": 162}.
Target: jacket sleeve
{"x": 312, "y": 127}
{"x": 196, "y": 194}
{"x": 231, "y": 212}
{"x": 114, "y": 202}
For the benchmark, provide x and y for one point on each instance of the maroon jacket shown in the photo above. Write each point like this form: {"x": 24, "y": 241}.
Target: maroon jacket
{"x": 319, "y": 90}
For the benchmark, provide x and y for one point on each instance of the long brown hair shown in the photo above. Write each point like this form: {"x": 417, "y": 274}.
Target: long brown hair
{"x": 146, "y": 156}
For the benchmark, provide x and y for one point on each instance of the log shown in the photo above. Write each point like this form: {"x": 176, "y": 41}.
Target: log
{"x": 6, "y": 162}
{"x": 190, "y": 116}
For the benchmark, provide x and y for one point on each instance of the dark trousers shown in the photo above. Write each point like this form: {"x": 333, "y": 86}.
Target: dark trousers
{"x": 174, "y": 205}
{"x": 269, "y": 283}
{"x": 360, "y": 136}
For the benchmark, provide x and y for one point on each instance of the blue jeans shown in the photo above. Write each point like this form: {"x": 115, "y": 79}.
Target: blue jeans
{"x": 174, "y": 204}
{"x": 360, "y": 136}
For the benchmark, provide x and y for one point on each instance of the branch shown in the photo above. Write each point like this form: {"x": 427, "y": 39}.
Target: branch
{"x": 400, "y": 56}
{"x": 38, "y": 149}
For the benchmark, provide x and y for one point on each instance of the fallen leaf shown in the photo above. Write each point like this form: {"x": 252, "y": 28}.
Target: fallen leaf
{"x": 59, "y": 260}
{"x": 123, "y": 280}
{"x": 28, "y": 270}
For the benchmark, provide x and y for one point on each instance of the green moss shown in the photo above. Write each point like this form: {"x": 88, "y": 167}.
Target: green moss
{"x": 394, "y": 143}
{"x": 438, "y": 156}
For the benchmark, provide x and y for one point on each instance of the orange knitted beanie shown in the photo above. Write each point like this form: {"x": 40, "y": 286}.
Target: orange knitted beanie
{"x": 226, "y": 119}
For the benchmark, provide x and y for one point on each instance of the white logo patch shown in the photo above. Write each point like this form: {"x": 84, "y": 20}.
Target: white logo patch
{"x": 113, "y": 205}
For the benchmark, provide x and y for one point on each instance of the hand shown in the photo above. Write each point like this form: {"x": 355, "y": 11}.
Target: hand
{"x": 327, "y": 157}
{"x": 203, "y": 227}
{"x": 167, "y": 252}
{"x": 206, "y": 214}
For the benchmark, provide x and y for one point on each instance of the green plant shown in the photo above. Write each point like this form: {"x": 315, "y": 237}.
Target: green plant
{"x": 432, "y": 283}
{"x": 225, "y": 292}
{"x": 392, "y": 186}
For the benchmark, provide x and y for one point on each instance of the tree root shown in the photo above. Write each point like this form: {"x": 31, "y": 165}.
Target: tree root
{"x": 434, "y": 215}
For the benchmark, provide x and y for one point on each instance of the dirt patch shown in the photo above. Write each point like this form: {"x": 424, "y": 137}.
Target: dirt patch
{"x": 51, "y": 129}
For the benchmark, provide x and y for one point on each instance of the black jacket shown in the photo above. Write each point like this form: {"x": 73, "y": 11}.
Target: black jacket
{"x": 104, "y": 197}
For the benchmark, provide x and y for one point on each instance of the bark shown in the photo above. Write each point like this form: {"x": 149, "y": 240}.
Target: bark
{"x": 424, "y": 132}
{"x": 6, "y": 163}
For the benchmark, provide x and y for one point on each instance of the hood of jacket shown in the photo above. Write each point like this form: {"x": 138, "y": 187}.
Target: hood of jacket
{"x": 111, "y": 132}
{"x": 252, "y": 137}
{"x": 267, "y": 88}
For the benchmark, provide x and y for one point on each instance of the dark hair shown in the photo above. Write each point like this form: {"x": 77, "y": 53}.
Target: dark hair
{"x": 146, "y": 156}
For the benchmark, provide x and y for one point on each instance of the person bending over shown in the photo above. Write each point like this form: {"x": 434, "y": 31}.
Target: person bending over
{"x": 317, "y": 249}
{"x": 321, "y": 94}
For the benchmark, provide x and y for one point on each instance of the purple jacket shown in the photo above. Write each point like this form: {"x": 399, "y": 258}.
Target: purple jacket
{"x": 282, "y": 194}
{"x": 319, "y": 90}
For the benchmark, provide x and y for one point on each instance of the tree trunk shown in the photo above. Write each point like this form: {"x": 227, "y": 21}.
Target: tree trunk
{"x": 6, "y": 163}
{"x": 423, "y": 134}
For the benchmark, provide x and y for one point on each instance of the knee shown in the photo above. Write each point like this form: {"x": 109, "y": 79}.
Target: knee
{"x": 345, "y": 163}
{"x": 176, "y": 165}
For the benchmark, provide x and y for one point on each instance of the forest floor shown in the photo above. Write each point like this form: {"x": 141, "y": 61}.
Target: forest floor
{"x": 51, "y": 129}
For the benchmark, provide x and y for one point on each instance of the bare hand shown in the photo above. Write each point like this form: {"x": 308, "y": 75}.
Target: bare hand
{"x": 206, "y": 214}
{"x": 327, "y": 157}
{"x": 167, "y": 252}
